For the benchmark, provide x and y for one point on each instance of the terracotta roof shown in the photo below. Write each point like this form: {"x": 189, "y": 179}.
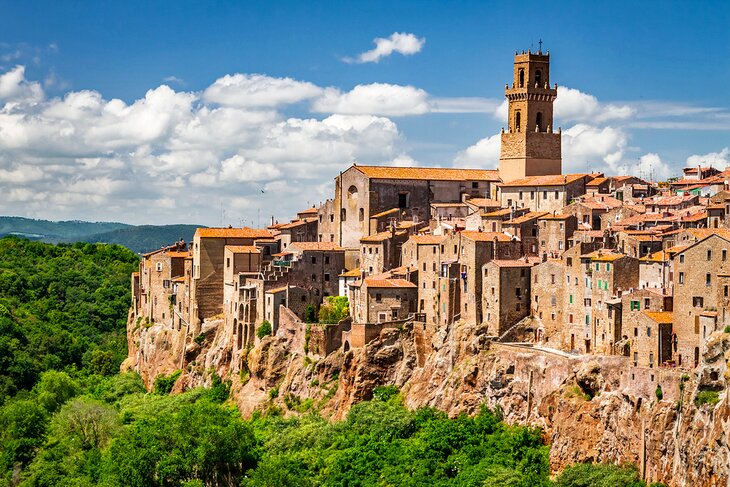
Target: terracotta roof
{"x": 427, "y": 239}
{"x": 432, "y": 173}
{"x": 383, "y": 283}
{"x": 503, "y": 212}
{"x": 533, "y": 215}
{"x": 178, "y": 255}
{"x": 602, "y": 256}
{"x": 297, "y": 223}
{"x": 716, "y": 206}
{"x": 385, "y": 213}
{"x": 597, "y": 182}
{"x": 448, "y": 205}
{"x": 352, "y": 273}
{"x": 660, "y": 317}
{"x": 308, "y": 211}
{"x": 276, "y": 290}
{"x": 552, "y": 180}
{"x": 179, "y": 279}
{"x": 557, "y": 216}
{"x": 380, "y": 237}
{"x": 244, "y": 232}
{"x": 135, "y": 273}
{"x": 321, "y": 246}
{"x": 243, "y": 249}
{"x": 695, "y": 217}
{"x": 485, "y": 236}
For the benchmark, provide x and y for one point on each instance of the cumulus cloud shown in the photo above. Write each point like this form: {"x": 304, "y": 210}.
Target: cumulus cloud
{"x": 375, "y": 98}
{"x": 573, "y": 105}
{"x": 400, "y": 42}
{"x": 590, "y": 148}
{"x": 719, "y": 160}
{"x": 484, "y": 154}
{"x": 176, "y": 156}
{"x": 257, "y": 90}
{"x": 648, "y": 166}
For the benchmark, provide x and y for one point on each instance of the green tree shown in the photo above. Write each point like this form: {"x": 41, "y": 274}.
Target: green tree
{"x": 334, "y": 309}
{"x": 264, "y": 329}
{"x": 55, "y": 388}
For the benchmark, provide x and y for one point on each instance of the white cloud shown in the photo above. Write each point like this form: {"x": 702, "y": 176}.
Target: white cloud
{"x": 484, "y": 154}
{"x": 15, "y": 88}
{"x": 573, "y": 105}
{"x": 400, "y": 42}
{"x": 649, "y": 166}
{"x": 375, "y": 98}
{"x": 719, "y": 160}
{"x": 257, "y": 90}
{"x": 590, "y": 148}
{"x": 176, "y": 156}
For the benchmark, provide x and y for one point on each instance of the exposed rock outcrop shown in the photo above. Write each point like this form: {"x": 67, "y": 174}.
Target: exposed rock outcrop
{"x": 591, "y": 408}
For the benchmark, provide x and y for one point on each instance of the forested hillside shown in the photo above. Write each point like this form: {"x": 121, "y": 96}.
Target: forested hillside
{"x": 67, "y": 418}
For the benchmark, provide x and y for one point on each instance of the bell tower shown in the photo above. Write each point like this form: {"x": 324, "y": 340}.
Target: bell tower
{"x": 529, "y": 145}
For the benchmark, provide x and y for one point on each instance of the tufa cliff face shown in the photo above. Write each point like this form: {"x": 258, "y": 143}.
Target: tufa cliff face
{"x": 591, "y": 408}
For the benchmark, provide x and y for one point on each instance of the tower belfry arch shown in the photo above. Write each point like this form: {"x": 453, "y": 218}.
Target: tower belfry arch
{"x": 530, "y": 145}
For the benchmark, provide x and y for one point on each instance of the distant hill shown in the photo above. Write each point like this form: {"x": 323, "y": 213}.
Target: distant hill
{"x": 143, "y": 238}
{"x": 54, "y": 232}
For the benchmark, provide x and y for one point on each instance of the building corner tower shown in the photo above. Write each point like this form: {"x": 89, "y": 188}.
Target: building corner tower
{"x": 529, "y": 146}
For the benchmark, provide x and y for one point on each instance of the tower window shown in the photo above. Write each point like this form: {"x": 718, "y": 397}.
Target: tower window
{"x": 522, "y": 78}
{"x": 539, "y": 121}
{"x": 517, "y": 121}
{"x": 538, "y": 78}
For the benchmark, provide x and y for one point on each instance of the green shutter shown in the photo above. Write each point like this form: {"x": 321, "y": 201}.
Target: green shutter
{"x": 571, "y": 299}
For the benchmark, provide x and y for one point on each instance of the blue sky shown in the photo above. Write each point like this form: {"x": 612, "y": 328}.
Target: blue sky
{"x": 648, "y": 85}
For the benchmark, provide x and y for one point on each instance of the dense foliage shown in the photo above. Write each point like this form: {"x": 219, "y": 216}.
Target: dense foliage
{"x": 67, "y": 420}
{"x": 61, "y": 307}
{"x": 334, "y": 309}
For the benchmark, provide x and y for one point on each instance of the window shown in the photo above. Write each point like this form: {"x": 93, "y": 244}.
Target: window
{"x": 474, "y": 185}
{"x": 709, "y": 254}
{"x": 651, "y": 362}
{"x": 520, "y": 194}
{"x": 570, "y": 300}
{"x": 556, "y": 195}
{"x": 378, "y": 297}
{"x": 538, "y": 78}
{"x": 635, "y": 305}
{"x": 724, "y": 254}
{"x": 681, "y": 258}
{"x": 725, "y": 291}
{"x": 647, "y": 303}
{"x": 314, "y": 277}
{"x": 570, "y": 318}
{"x": 362, "y": 214}
{"x": 708, "y": 279}
{"x": 681, "y": 277}
{"x": 326, "y": 259}
{"x": 326, "y": 277}
{"x": 553, "y": 300}
{"x": 521, "y": 78}
{"x": 648, "y": 331}
{"x": 532, "y": 197}
{"x": 636, "y": 332}
{"x": 608, "y": 267}
{"x": 518, "y": 292}
{"x": 570, "y": 261}
{"x": 228, "y": 262}
{"x": 518, "y": 307}
{"x": 314, "y": 260}
{"x": 403, "y": 200}
{"x": 598, "y": 266}
{"x": 698, "y": 301}
{"x": 544, "y": 195}
{"x": 552, "y": 278}
{"x": 343, "y": 214}
{"x": 517, "y": 121}
{"x": 538, "y": 121}
{"x": 158, "y": 267}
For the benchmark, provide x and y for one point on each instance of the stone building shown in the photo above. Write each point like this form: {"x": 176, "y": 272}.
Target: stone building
{"x": 382, "y": 251}
{"x": 156, "y": 296}
{"x": 208, "y": 249}
{"x": 555, "y": 232}
{"x": 543, "y": 193}
{"x": 548, "y": 301}
{"x": 701, "y": 287}
{"x": 505, "y": 294}
{"x": 530, "y": 146}
{"x": 378, "y": 299}
{"x": 407, "y": 192}
{"x": 425, "y": 253}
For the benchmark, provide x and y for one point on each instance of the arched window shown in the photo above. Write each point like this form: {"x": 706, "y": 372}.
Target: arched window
{"x": 522, "y": 78}
{"x": 538, "y": 121}
{"x": 352, "y": 191}
{"x": 538, "y": 78}
{"x": 517, "y": 121}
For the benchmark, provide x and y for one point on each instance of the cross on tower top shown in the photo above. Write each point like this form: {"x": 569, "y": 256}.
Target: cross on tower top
{"x": 540, "y": 43}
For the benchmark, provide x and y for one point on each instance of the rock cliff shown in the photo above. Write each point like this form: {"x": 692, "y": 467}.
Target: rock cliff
{"x": 591, "y": 408}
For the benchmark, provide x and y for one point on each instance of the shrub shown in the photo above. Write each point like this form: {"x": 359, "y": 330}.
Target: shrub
{"x": 264, "y": 329}
{"x": 274, "y": 392}
{"x": 727, "y": 329}
{"x": 334, "y": 309}
{"x": 384, "y": 393}
{"x": 199, "y": 339}
{"x": 659, "y": 393}
{"x": 310, "y": 314}
{"x": 165, "y": 383}
{"x": 707, "y": 397}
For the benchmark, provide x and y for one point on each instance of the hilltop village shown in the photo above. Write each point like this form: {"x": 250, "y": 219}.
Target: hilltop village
{"x": 577, "y": 264}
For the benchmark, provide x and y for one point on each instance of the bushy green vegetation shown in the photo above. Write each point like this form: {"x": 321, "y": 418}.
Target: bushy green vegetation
{"x": 264, "y": 329}
{"x": 707, "y": 397}
{"x": 61, "y": 307}
{"x": 334, "y": 309}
